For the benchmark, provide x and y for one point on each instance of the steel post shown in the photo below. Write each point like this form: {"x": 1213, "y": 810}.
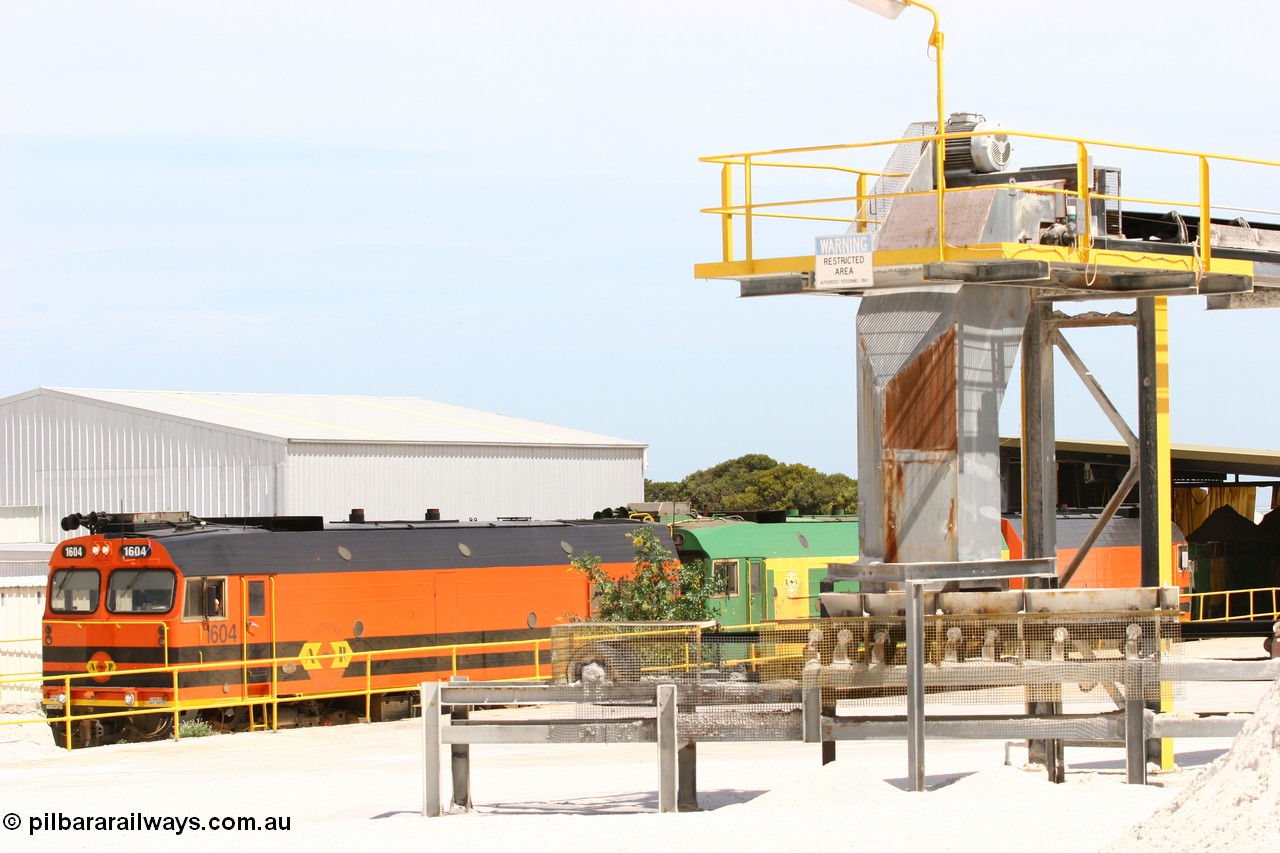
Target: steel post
{"x": 1039, "y": 471}
{"x": 1135, "y": 736}
{"x": 915, "y": 686}
{"x": 668, "y": 780}
{"x": 1040, "y": 484}
{"x": 431, "y": 765}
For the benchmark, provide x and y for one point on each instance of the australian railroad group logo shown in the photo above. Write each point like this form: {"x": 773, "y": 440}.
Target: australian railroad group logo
{"x": 101, "y": 663}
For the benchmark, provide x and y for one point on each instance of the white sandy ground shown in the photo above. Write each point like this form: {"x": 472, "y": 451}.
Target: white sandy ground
{"x": 360, "y": 787}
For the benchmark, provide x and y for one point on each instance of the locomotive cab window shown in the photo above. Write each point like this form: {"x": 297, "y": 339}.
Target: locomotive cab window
{"x": 727, "y": 571}
{"x": 205, "y": 598}
{"x": 140, "y": 591}
{"x": 74, "y": 591}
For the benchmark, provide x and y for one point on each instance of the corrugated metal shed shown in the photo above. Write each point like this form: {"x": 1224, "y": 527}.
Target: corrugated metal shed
{"x": 22, "y": 579}
{"x": 78, "y": 450}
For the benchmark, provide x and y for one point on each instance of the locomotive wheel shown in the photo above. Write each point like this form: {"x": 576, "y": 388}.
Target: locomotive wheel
{"x": 60, "y": 735}
{"x": 148, "y": 728}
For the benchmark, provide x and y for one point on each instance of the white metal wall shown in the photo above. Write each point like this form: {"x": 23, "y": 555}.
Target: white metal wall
{"x": 19, "y": 524}
{"x": 66, "y": 456}
{"x": 21, "y": 609}
{"x": 462, "y": 481}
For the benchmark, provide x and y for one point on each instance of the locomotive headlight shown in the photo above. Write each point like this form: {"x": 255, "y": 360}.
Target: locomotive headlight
{"x": 60, "y": 697}
{"x": 129, "y": 699}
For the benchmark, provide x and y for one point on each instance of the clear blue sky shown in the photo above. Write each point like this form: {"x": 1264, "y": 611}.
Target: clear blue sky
{"x": 494, "y": 204}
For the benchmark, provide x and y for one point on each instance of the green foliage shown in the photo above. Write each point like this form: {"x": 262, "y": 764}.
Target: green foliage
{"x": 656, "y": 490}
{"x": 759, "y": 482}
{"x": 195, "y": 728}
{"x": 660, "y": 588}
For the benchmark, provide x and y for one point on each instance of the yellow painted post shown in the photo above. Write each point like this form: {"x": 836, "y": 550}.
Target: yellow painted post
{"x": 66, "y": 708}
{"x": 939, "y": 142}
{"x": 1164, "y": 477}
{"x": 726, "y": 219}
{"x": 862, "y": 193}
{"x": 1082, "y": 197}
{"x": 746, "y": 195}
{"x": 177, "y": 706}
{"x": 368, "y": 685}
{"x": 1206, "y": 253}
{"x": 1164, "y": 485}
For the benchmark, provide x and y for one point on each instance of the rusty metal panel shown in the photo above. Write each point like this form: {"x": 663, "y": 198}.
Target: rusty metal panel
{"x": 920, "y": 400}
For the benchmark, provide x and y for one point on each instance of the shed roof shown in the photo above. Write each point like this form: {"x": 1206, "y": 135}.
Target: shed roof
{"x": 334, "y": 418}
{"x": 1187, "y": 459}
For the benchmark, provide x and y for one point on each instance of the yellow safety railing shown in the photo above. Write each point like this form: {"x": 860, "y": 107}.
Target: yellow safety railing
{"x": 1235, "y": 605}
{"x": 750, "y": 208}
{"x": 269, "y": 693}
{"x": 33, "y": 653}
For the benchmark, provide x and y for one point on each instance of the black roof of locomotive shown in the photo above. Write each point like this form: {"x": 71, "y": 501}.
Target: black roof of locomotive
{"x": 304, "y": 544}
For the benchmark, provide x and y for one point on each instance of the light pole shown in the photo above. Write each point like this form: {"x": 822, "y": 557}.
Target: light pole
{"x": 915, "y": 592}
{"x": 891, "y": 9}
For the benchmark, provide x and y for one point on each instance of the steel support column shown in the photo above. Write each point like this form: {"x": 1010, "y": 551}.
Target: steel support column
{"x": 1154, "y": 485}
{"x": 431, "y": 764}
{"x": 1039, "y": 468}
{"x": 915, "y": 686}
{"x": 668, "y": 772}
{"x": 1040, "y": 485}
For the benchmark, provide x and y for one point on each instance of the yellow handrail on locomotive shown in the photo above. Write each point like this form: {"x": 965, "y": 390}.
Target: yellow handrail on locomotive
{"x": 164, "y": 629}
{"x": 274, "y": 697}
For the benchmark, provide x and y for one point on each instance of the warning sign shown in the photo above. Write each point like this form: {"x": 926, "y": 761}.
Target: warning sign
{"x": 842, "y": 262}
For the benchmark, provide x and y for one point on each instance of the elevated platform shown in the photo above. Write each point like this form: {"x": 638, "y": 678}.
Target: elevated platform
{"x": 1060, "y": 229}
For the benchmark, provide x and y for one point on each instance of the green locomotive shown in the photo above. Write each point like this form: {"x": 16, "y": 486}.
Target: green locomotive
{"x": 772, "y": 563}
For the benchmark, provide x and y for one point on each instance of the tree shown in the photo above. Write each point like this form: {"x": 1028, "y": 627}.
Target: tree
{"x": 659, "y": 589}
{"x": 758, "y": 482}
{"x": 663, "y": 490}
{"x": 715, "y": 486}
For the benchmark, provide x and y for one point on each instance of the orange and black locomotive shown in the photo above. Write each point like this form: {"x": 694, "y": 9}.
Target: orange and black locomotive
{"x": 286, "y": 612}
